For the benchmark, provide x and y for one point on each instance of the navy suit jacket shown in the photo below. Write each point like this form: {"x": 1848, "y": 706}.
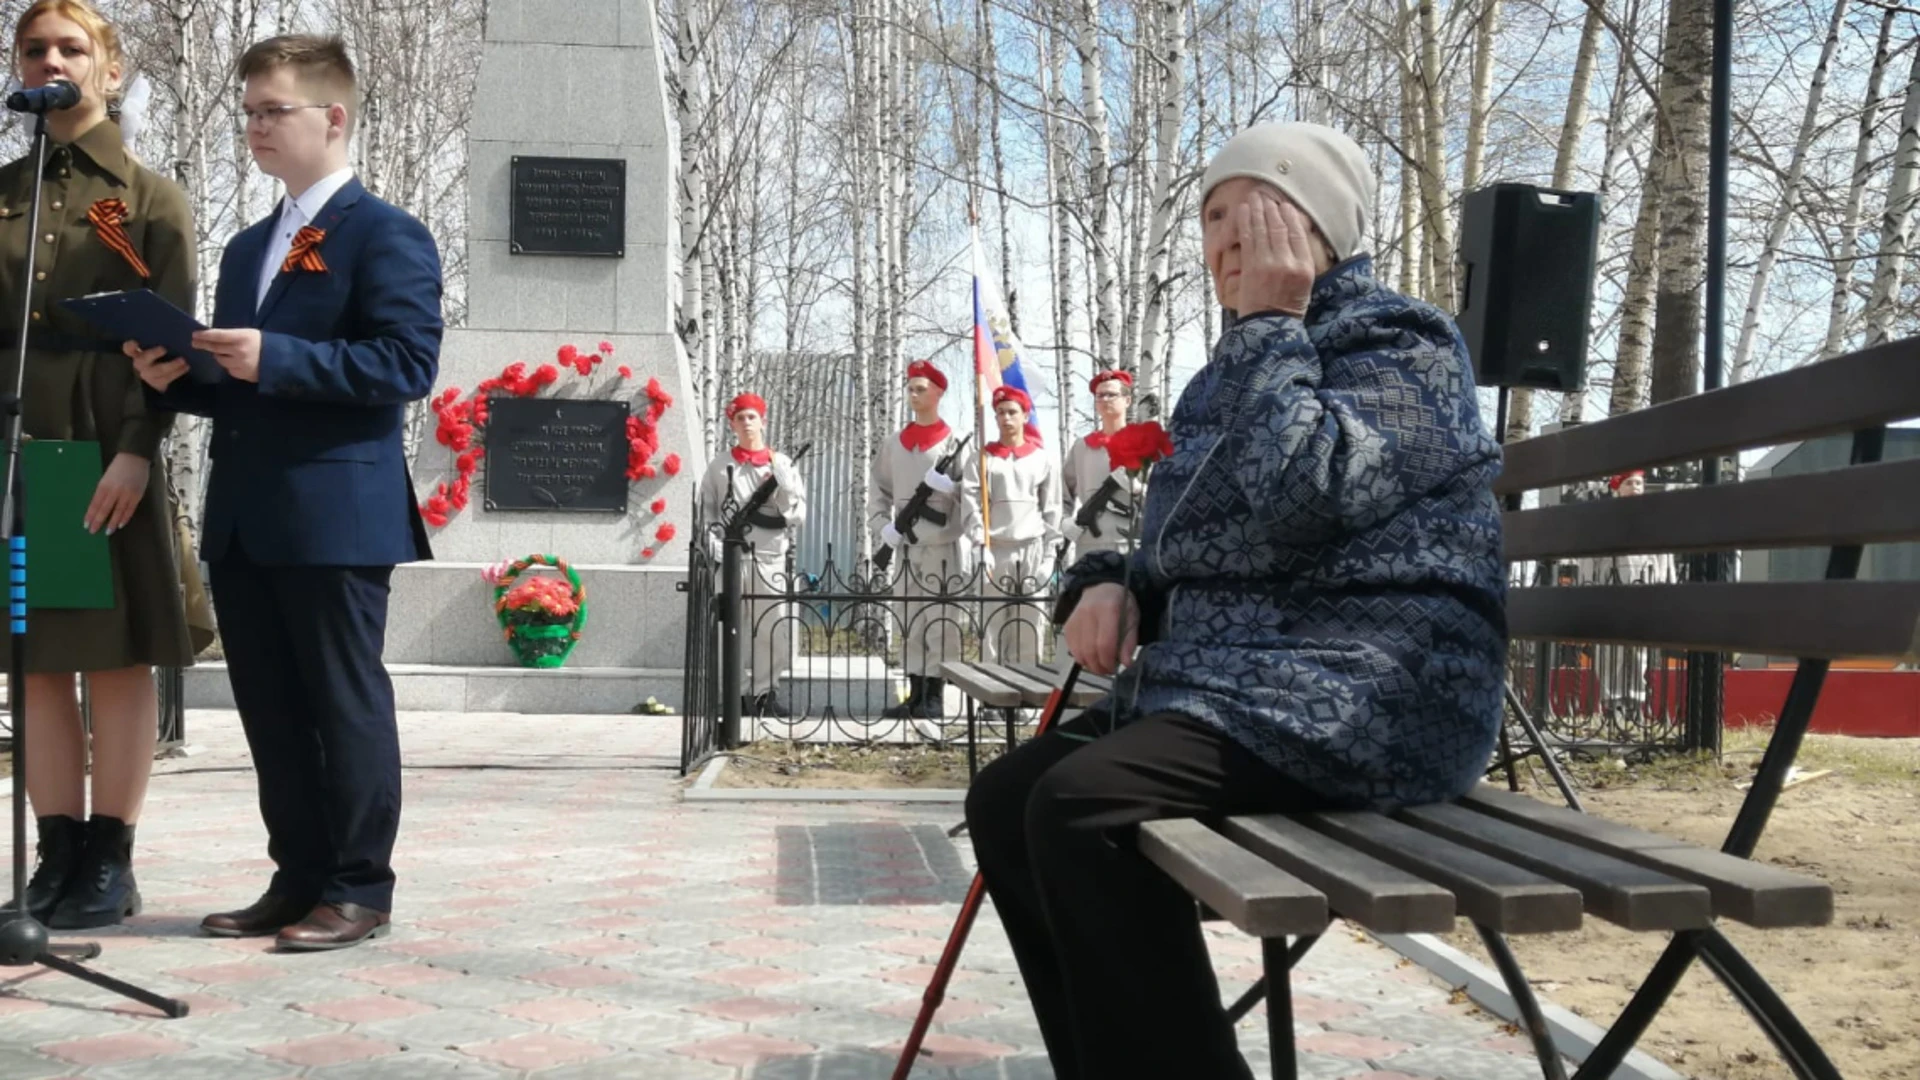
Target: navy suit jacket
{"x": 308, "y": 464}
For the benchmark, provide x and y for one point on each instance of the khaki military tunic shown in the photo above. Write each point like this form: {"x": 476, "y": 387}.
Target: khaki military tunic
{"x": 79, "y": 386}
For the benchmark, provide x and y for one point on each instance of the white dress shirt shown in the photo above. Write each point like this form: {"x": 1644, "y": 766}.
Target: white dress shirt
{"x": 295, "y": 214}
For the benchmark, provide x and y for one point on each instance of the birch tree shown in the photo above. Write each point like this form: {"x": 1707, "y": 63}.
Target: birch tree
{"x": 1896, "y": 220}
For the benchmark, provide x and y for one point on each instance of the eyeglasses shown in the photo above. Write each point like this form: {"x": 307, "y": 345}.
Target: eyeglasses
{"x": 270, "y": 115}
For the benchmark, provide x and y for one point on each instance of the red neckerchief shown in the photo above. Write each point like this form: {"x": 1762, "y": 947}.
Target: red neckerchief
{"x": 1002, "y": 450}
{"x": 921, "y": 438}
{"x": 762, "y": 456}
{"x": 1098, "y": 439}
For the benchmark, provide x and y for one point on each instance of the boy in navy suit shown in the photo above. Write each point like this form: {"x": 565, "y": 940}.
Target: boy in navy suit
{"x": 327, "y": 323}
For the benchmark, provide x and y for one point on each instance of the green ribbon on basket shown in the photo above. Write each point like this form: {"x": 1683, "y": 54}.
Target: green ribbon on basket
{"x": 537, "y": 643}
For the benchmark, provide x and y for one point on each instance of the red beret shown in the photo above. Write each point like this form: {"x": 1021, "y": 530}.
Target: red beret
{"x": 1012, "y": 393}
{"x": 1616, "y": 481}
{"x": 1103, "y": 376}
{"x": 921, "y": 369}
{"x": 747, "y": 401}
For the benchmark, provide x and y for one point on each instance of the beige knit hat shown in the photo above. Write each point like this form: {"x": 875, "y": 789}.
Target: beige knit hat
{"x": 1325, "y": 173}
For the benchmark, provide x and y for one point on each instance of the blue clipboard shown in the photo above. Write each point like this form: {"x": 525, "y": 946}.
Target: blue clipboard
{"x": 145, "y": 316}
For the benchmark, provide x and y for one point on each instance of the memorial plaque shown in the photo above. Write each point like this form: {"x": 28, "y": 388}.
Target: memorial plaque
{"x": 568, "y": 206}
{"x": 555, "y": 454}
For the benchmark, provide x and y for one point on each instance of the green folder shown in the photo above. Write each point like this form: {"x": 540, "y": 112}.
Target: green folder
{"x": 67, "y": 566}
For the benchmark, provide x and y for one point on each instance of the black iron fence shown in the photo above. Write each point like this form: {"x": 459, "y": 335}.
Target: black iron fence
{"x": 834, "y": 656}
{"x": 1619, "y": 699}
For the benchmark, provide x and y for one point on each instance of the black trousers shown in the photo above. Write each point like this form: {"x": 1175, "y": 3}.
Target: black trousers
{"x": 303, "y": 647}
{"x": 1110, "y": 948}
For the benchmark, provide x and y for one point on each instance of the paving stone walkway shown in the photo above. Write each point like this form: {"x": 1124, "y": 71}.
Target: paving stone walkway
{"x": 562, "y": 914}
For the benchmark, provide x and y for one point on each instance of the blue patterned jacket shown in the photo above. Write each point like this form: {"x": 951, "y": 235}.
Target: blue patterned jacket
{"x": 1320, "y": 569}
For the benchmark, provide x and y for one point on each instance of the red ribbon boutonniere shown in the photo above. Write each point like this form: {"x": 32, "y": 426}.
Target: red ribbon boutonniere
{"x": 108, "y": 217}
{"x": 305, "y": 252}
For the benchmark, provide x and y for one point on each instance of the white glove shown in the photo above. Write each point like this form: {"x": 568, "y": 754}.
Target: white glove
{"x": 987, "y": 559}
{"x": 1070, "y": 532}
{"x": 940, "y": 481}
{"x": 890, "y": 536}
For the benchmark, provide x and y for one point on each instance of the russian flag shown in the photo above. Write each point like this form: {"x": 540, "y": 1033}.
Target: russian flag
{"x": 996, "y": 352}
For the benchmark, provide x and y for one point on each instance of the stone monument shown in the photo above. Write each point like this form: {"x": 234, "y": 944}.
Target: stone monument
{"x": 571, "y": 241}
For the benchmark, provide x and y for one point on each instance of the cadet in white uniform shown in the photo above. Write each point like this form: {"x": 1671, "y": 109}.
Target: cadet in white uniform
{"x": 1623, "y": 669}
{"x": 937, "y": 557}
{"x": 730, "y": 481}
{"x": 1108, "y": 527}
{"x": 1023, "y": 514}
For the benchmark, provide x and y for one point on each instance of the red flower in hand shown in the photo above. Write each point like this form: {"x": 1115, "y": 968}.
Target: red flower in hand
{"x": 1136, "y": 446}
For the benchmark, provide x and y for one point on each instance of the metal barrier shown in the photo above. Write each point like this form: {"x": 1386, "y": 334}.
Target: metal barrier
{"x": 1618, "y": 699}
{"x": 833, "y": 645}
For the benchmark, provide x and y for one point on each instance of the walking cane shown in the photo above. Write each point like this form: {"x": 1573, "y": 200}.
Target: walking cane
{"x": 969, "y": 908}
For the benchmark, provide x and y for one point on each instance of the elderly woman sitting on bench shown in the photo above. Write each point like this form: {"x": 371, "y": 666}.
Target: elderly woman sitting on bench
{"x": 1316, "y": 605}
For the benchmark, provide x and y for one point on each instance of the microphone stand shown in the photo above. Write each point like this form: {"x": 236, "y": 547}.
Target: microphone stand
{"x": 23, "y": 941}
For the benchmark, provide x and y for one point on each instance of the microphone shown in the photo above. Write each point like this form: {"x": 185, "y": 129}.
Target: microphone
{"x": 58, "y": 94}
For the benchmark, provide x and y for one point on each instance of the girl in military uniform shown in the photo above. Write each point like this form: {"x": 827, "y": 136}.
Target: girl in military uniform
{"x": 106, "y": 223}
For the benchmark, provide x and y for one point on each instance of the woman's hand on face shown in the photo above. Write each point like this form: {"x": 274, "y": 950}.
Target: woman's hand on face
{"x": 1094, "y": 635}
{"x": 1276, "y": 255}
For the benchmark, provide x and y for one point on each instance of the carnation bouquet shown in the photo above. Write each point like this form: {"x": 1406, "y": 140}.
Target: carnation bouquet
{"x": 541, "y": 616}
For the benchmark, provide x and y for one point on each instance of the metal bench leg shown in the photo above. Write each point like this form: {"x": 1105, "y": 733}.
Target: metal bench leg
{"x": 1279, "y": 981}
{"x": 1255, "y": 993}
{"x": 1647, "y": 1001}
{"x": 1521, "y": 991}
{"x": 1540, "y": 746}
{"x": 1802, "y": 1054}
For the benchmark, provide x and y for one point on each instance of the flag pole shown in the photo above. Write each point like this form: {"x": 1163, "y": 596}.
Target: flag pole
{"x": 980, "y": 388}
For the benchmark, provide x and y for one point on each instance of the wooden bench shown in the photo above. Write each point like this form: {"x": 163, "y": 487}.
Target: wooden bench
{"x": 1514, "y": 865}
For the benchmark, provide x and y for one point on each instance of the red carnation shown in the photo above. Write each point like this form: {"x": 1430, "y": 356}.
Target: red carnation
{"x": 659, "y": 506}
{"x": 568, "y": 355}
{"x": 671, "y": 464}
{"x": 1136, "y": 446}
{"x": 665, "y": 532}
{"x": 646, "y": 553}
{"x": 646, "y": 472}
{"x": 625, "y": 371}
{"x": 607, "y": 347}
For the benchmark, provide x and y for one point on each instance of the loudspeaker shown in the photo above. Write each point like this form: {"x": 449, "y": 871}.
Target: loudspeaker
{"x": 1527, "y": 284}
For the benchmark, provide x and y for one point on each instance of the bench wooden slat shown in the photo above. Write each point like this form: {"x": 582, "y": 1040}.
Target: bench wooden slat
{"x": 1847, "y": 393}
{"x": 1831, "y": 619}
{"x": 1488, "y": 891}
{"x": 1100, "y": 685}
{"x": 1743, "y": 890}
{"x": 1083, "y": 694}
{"x": 980, "y": 684}
{"x": 1252, "y": 893}
{"x": 1857, "y": 505}
{"x": 1621, "y": 892}
{"x": 1359, "y": 887}
{"x": 1033, "y": 692}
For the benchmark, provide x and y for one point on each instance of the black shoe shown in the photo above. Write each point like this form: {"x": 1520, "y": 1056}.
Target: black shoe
{"x": 769, "y": 704}
{"x": 103, "y": 893}
{"x": 270, "y": 914}
{"x": 62, "y": 842}
{"x": 933, "y": 701}
{"x": 905, "y": 710}
{"x": 749, "y": 705}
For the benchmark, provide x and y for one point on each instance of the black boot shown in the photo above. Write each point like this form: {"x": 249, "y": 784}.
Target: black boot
{"x": 905, "y": 709}
{"x": 933, "y": 702}
{"x": 103, "y": 893}
{"x": 62, "y": 840}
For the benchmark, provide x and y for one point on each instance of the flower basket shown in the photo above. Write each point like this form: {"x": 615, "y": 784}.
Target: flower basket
{"x": 542, "y": 616}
